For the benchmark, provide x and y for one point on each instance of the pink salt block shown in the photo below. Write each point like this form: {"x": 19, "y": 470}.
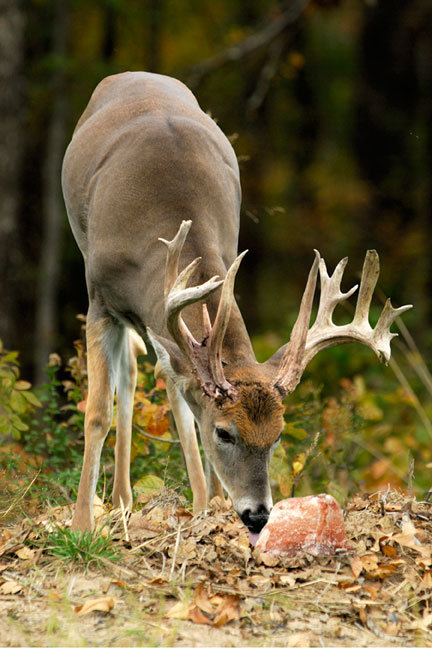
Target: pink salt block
{"x": 312, "y": 524}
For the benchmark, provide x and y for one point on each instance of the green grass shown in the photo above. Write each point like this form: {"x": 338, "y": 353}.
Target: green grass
{"x": 81, "y": 548}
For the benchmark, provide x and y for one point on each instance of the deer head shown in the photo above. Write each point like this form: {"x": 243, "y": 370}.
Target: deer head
{"x": 239, "y": 409}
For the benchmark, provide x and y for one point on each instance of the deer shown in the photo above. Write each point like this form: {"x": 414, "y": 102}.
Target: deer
{"x": 152, "y": 191}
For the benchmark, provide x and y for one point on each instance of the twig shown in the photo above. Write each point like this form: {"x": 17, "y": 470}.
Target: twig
{"x": 123, "y": 515}
{"x": 268, "y": 71}
{"x": 153, "y": 438}
{"x": 175, "y": 550}
{"x": 371, "y": 625}
{"x": 5, "y": 513}
{"x": 416, "y": 403}
{"x": 248, "y": 45}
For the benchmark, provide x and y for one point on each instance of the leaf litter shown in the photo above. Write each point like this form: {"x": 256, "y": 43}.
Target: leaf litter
{"x": 196, "y": 580}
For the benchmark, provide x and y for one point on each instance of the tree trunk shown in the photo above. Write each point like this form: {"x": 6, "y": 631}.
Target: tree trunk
{"x": 12, "y": 20}
{"x": 53, "y": 209}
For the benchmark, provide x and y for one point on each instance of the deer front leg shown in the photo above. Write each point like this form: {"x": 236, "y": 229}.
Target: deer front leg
{"x": 213, "y": 483}
{"x": 185, "y": 425}
{"x": 101, "y": 343}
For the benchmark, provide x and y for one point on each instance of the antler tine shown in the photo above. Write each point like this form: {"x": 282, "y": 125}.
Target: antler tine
{"x": 331, "y": 294}
{"x": 382, "y": 335}
{"x": 368, "y": 281}
{"x": 217, "y": 332}
{"x": 174, "y": 250}
{"x": 205, "y": 357}
{"x": 177, "y": 296}
{"x": 324, "y": 333}
{"x": 291, "y": 366}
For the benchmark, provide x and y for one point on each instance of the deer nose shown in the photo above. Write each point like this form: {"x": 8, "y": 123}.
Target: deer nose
{"x": 255, "y": 520}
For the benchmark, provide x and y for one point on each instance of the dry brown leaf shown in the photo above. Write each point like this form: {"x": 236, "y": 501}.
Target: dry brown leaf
{"x": 197, "y": 616}
{"x": 424, "y": 623}
{"x": 220, "y": 540}
{"x": 179, "y": 610}
{"x": 98, "y": 508}
{"x": 25, "y": 553}
{"x": 349, "y": 586}
{"x": 407, "y": 537}
{"x": 228, "y": 610}
{"x": 10, "y": 587}
{"x": 389, "y": 550}
{"x": 202, "y": 599}
{"x": 358, "y": 503}
{"x": 369, "y": 562}
{"x": 372, "y": 590}
{"x": 356, "y": 566}
{"x": 382, "y": 571}
{"x": 287, "y": 579}
{"x": 426, "y": 582}
{"x": 104, "y": 604}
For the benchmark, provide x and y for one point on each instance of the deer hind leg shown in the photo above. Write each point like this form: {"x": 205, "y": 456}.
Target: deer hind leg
{"x": 185, "y": 424}
{"x": 103, "y": 340}
{"x": 126, "y": 383}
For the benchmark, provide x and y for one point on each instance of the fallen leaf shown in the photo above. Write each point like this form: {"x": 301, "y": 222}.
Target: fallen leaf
{"x": 10, "y": 587}
{"x": 389, "y": 550}
{"x": 287, "y": 579}
{"x": 229, "y": 610}
{"x": 349, "y": 586}
{"x": 197, "y": 616}
{"x": 149, "y": 485}
{"x": 422, "y": 624}
{"x": 25, "y": 553}
{"x": 369, "y": 562}
{"x": 372, "y": 589}
{"x": 382, "y": 571}
{"x": 104, "y": 604}
{"x": 426, "y": 582}
{"x": 356, "y": 566}
{"x": 202, "y": 599}
{"x": 98, "y": 507}
{"x": 179, "y": 610}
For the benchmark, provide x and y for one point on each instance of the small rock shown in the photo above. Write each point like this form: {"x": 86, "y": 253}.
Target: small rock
{"x": 312, "y": 524}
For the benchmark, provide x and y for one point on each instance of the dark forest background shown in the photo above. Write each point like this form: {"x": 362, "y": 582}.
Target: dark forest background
{"x": 329, "y": 106}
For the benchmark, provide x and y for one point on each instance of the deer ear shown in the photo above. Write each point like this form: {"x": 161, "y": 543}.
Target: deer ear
{"x": 172, "y": 361}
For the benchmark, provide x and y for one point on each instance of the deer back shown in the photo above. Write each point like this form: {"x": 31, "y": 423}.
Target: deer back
{"x": 143, "y": 157}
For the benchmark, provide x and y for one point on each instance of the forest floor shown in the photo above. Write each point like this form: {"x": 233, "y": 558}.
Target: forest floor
{"x": 195, "y": 581}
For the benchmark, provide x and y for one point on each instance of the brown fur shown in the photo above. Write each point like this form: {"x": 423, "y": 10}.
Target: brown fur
{"x": 258, "y": 411}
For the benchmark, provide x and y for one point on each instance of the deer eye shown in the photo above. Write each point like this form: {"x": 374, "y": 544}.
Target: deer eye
{"x": 224, "y": 436}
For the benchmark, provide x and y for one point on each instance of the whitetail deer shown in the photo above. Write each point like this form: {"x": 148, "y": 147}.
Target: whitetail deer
{"x": 146, "y": 165}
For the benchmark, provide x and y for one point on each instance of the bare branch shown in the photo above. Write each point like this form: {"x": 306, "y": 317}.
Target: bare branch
{"x": 250, "y": 44}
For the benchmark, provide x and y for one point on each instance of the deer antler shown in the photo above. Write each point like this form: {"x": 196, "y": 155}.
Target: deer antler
{"x": 324, "y": 333}
{"x": 206, "y": 356}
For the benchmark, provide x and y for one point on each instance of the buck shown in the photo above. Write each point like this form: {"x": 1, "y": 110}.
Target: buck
{"x": 152, "y": 191}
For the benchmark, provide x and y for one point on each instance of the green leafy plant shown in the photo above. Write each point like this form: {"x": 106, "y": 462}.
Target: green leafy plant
{"x": 81, "y": 548}
{"x": 17, "y": 400}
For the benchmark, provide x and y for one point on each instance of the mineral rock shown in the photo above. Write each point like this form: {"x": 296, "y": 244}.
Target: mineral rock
{"x": 312, "y": 524}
